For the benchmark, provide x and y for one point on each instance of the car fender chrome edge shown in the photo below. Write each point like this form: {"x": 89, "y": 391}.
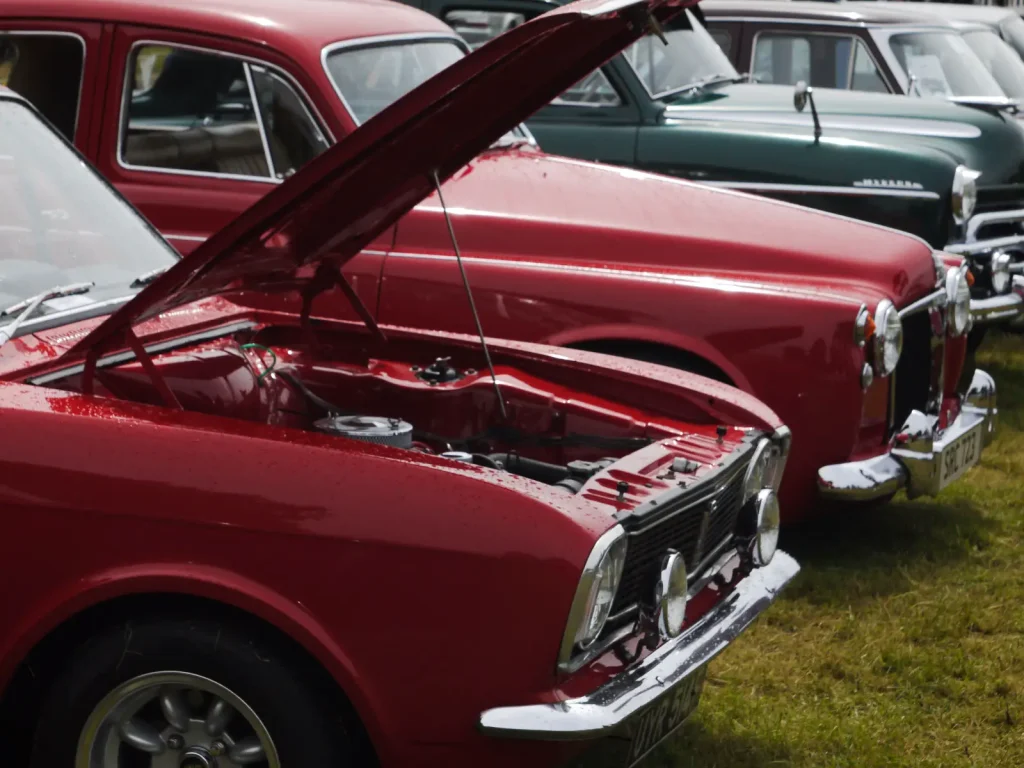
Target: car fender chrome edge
{"x": 810, "y": 189}
{"x": 615, "y": 702}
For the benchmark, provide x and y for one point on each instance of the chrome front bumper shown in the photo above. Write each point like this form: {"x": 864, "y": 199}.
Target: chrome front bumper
{"x": 1008, "y": 308}
{"x": 617, "y": 701}
{"x": 972, "y": 245}
{"x": 915, "y": 463}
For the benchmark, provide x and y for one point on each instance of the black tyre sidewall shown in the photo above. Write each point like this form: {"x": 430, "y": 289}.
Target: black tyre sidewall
{"x": 304, "y": 729}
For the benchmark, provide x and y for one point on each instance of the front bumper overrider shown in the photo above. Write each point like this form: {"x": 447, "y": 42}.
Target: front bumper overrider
{"x": 915, "y": 462}
{"x": 627, "y": 695}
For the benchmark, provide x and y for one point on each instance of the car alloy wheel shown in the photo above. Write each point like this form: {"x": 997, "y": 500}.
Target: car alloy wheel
{"x": 177, "y": 720}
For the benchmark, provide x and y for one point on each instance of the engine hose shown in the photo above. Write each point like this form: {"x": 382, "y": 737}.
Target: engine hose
{"x": 531, "y": 468}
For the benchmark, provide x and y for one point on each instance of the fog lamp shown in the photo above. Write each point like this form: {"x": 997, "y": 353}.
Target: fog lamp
{"x": 766, "y": 533}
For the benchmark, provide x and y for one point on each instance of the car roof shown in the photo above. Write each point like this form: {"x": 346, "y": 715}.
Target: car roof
{"x": 985, "y": 14}
{"x": 274, "y": 23}
{"x": 855, "y": 13}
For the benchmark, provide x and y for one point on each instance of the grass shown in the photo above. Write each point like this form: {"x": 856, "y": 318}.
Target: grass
{"x": 901, "y": 643}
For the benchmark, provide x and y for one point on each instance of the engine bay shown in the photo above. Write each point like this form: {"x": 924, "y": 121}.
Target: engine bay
{"x": 400, "y": 395}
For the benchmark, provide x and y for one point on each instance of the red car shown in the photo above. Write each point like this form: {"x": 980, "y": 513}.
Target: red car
{"x": 243, "y": 537}
{"x": 852, "y": 333}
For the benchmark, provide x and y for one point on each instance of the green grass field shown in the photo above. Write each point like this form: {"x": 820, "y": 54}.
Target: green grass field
{"x": 901, "y": 643}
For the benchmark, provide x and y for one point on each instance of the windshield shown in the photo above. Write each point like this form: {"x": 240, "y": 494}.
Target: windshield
{"x": 370, "y": 78}
{"x": 60, "y": 223}
{"x": 999, "y": 59}
{"x": 942, "y": 64}
{"x": 691, "y": 57}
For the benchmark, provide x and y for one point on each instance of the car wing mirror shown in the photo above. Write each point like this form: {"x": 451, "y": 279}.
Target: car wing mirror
{"x": 803, "y": 95}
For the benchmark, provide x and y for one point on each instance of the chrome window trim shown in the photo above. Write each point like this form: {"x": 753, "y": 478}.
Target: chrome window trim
{"x": 259, "y": 119}
{"x": 81, "y": 78}
{"x": 163, "y": 346}
{"x": 310, "y": 107}
{"x": 381, "y": 40}
{"x": 823, "y": 22}
{"x": 849, "y": 73}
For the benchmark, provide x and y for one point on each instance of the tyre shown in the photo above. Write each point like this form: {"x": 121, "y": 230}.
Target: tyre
{"x": 187, "y": 694}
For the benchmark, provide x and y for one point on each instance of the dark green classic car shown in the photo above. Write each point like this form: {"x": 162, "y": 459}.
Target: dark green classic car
{"x": 951, "y": 174}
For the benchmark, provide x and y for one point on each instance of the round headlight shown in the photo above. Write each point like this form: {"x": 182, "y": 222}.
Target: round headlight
{"x": 670, "y": 594}
{"x": 766, "y": 538}
{"x": 958, "y": 300}
{"x": 604, "y": 584}
{"x": 965, "y": 193}
{"x": 888, "y": 338}
{"x": 1000, "y": 267}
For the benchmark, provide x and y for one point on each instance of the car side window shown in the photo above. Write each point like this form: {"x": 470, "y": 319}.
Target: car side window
{"x": 724, "y": 40}
{"x": 47, "y": 70}
{"x": 594, "y": 90}
{"x": 292, "y": 133}
{"x": 208, "y": 113}
{"x": 823, "y": 61}
{"x": 477, "y": 27}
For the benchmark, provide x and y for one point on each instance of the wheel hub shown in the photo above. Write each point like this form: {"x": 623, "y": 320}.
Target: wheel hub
{"x": 197, "y": 757}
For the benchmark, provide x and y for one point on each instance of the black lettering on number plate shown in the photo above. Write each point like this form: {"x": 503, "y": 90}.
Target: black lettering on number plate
{"x": 665, "y": 715}
{"x": 960, "y": 455}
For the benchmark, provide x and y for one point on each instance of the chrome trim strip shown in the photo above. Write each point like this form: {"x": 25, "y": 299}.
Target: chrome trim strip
{"x": 612, "y": 704}
{"x": 980, "y": 220}
{"x": 711, "y": 16}
{"x": 126, "y": 95}
{"x": 85, "y": 54}
{"x": 904, "y": 126}
{"x": 981, "y": 246}
{"x": 937, "y": 298}
{"x": 811, "y": 189}
{"x": 258, "y": 114}
{"x": 379, "y": 40}
{"x": 190, "y": 238}
{"x": 163, "y": 346}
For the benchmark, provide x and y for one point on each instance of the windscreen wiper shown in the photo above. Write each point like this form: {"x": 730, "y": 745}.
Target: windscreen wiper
{"x": 148, "y": 277}
{"x": 30, "y": 306}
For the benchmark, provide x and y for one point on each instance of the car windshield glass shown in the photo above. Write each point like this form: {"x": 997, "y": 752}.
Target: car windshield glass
{"x": 372, "y": 77}
{"x": 942, "y": 64}
{"x": 1000, "y": 59}
{"x": 691, "y": 57}
{"x": 1013, "y": 30}
{"x": 60, "y": 223}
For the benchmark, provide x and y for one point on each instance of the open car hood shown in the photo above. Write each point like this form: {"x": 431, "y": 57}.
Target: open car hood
{"x": 300, "y": 235}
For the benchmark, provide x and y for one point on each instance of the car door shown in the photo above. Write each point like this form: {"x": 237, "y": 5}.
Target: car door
{"x": 57, "y": 64}
{"x": 196, "y": 129}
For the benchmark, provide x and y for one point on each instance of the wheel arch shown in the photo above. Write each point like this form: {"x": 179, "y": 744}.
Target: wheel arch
{"x": 199, "y": 594}
{"x": 682, "y": 348}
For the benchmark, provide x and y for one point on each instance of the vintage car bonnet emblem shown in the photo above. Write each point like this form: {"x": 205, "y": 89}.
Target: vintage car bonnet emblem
{"x": 300, "y": 235}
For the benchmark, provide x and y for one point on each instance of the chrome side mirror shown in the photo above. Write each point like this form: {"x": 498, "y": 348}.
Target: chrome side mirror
{"x": 803, "y": 95}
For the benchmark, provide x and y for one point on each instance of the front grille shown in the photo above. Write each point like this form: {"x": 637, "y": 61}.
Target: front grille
{"x": 914, "y": 370}
{"x": 713, "y": 505}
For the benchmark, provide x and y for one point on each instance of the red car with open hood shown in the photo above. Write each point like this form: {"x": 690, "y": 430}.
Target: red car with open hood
{"x": 852, "y": 333}
{"x": 252, "y": 537}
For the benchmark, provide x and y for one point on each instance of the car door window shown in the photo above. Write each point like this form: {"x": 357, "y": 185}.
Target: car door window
{"x": 202, "y": 112}
{"x": 823, "y": 61}
{"x": 292, "y": 133}
{"x": 47, "y": 70}
{"x": 477, "y": 27}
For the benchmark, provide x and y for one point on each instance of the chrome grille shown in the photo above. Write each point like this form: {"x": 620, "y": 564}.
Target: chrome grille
{"x": 697, "y": 523}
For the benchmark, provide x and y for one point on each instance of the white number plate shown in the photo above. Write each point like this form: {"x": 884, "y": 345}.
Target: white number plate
{"x": 959, "y": 456}
{"x": 665, "y": 715}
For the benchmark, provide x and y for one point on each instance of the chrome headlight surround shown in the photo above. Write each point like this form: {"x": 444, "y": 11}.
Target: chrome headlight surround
{"x": 671, "y": 595}
{"x": 999, "y": 272}
{"x": 595, "y": 593}
{"x": 766, "y": 534}
{"x": 958, "y": 301}
{"x": 965, "y": 193}
{"x": 888, "y": 341}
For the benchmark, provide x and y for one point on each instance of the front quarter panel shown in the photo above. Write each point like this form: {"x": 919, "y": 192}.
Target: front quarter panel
{"x": 398, "y": 574}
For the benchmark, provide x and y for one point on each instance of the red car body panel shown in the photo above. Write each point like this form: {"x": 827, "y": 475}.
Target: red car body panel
{"x": 559, "y": 251}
